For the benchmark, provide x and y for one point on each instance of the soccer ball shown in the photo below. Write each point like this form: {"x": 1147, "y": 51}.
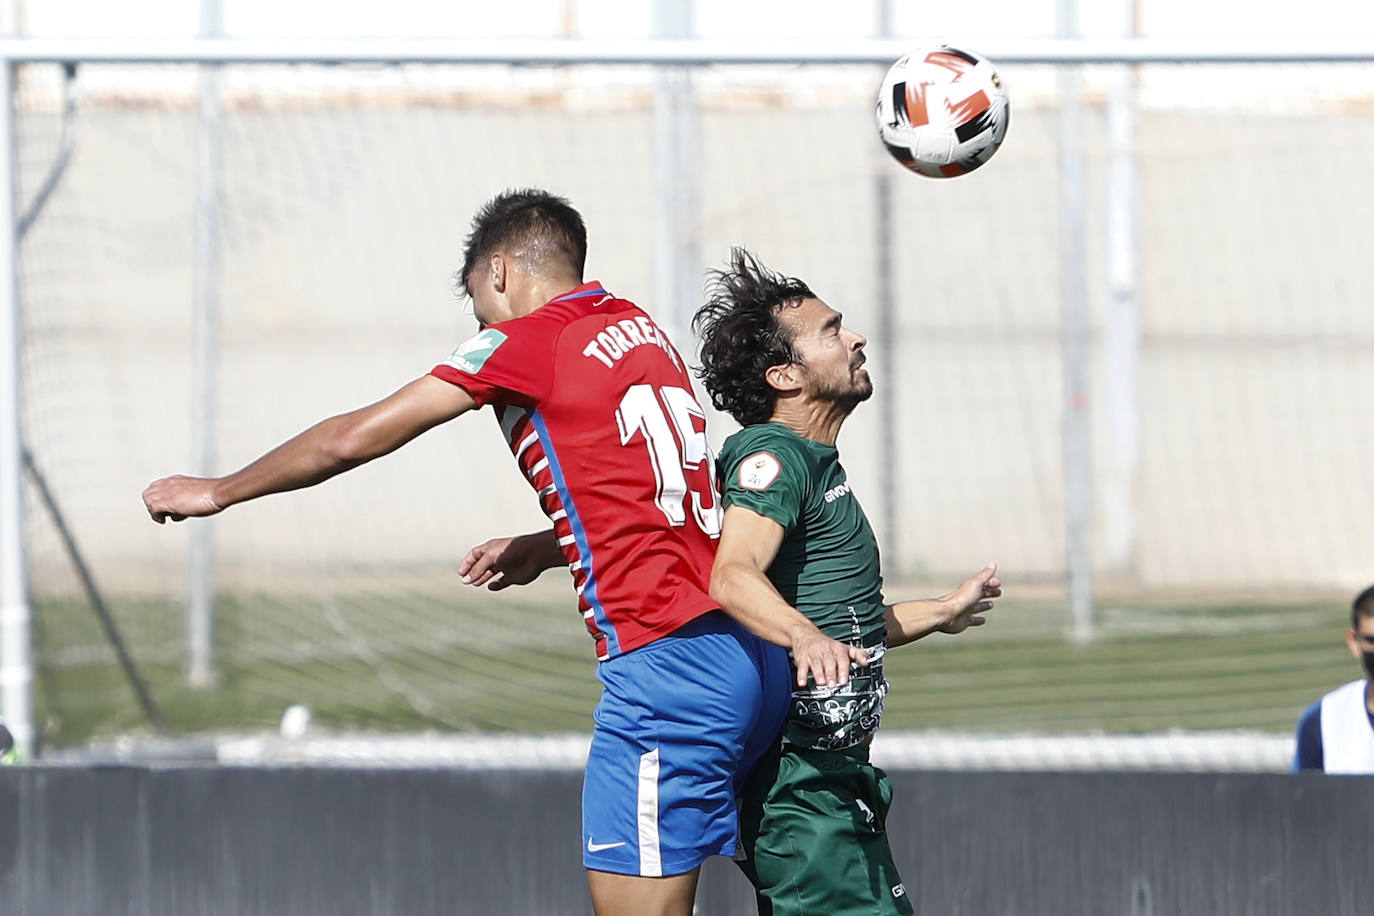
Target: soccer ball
{"x": 942, "y": 111}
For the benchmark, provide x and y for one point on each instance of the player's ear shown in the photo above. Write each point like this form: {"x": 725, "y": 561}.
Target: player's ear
{"x": 498, "y": 272}
{"x": 783, "y": 377}
{"x": 1353, "y": 642}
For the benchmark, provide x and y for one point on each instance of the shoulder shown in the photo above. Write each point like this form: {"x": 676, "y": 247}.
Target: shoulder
{"x": 553, "y": 320}
{"x": 1351, "y": 693}
{"x": 758, "y": 456}
{"x": 770, "y": 437}
{"x": 521, "y": 338}
{"x": 547, "y": 319}
{"x": 1310, "y": 716}
{"x": 1308, "y": 751}
{"x": 591, "y": 300}
{"x": 766, "y": 440}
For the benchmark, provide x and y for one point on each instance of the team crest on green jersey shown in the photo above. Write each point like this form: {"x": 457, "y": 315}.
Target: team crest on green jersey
{"x": 758, "y": 470}
{"x": 473, "y": 353}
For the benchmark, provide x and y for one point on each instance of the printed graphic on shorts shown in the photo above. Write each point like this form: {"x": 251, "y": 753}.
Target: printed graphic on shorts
{"x": 758, "y": 470}
{"x": 832, "y": 718}
{"x": 473, "y": 353}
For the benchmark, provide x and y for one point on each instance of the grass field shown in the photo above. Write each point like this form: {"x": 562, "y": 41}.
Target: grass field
{"x": 411, "y": 661}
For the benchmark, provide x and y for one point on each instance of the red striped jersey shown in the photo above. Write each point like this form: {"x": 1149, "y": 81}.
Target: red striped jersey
{"x": 598, "y": 408}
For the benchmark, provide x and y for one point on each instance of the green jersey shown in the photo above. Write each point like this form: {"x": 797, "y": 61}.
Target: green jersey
{"x": 827, "y": 567}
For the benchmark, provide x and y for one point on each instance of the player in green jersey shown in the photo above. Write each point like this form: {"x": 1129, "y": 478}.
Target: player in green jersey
{"x": 797, "y": 555}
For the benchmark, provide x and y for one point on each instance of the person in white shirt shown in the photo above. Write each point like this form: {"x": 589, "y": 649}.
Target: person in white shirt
{"x": 1336, "y": 733}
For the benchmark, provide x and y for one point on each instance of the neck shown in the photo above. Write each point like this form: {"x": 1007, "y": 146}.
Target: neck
{"x": 537, "y": 291}
{"x": 819, "y": 421}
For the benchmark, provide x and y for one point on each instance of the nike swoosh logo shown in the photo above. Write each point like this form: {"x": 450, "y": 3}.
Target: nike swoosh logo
{"x": 597, "y": 847}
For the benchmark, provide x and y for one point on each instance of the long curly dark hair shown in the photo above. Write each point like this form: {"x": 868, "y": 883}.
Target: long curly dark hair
{"x": 741, "y": 337}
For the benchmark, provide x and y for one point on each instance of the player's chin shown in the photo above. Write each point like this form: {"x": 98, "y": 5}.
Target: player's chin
{"x": 863, "y": 385}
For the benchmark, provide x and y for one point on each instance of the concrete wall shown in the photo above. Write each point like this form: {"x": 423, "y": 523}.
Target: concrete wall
{"x": 185, "y": 841}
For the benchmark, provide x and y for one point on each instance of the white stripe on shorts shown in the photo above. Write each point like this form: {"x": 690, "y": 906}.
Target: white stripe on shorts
{"x": 650, "y": 865}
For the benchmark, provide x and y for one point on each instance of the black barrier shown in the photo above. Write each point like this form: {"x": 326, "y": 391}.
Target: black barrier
{"x": 180, "y": 841}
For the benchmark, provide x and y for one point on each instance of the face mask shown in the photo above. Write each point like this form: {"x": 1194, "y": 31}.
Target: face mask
{"x": 1367, "y": 658}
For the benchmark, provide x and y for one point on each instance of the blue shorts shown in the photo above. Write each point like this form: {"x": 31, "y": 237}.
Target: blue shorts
{"x": 680, "y": 723}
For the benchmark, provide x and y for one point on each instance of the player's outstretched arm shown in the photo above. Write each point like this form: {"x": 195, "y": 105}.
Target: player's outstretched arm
{"x": 328, "y": 448}
{"x": 749, "y": 543}
{"x": 510, "y": 561}
{"x": 954, "y": 612}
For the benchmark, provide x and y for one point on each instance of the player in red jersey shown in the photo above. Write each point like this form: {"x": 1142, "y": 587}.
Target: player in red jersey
{"x": 599, "y": 412}
{"x": 632, "y": 586}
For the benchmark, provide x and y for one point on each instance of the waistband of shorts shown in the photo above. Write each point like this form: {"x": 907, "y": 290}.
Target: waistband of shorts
{"x": 860, "y": 753}
{"x": 710, "y": 623}
{"x": 715, "y": 621}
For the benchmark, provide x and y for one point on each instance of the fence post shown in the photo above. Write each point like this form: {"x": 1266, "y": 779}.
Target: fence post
{"x": 205, "y": 343}
{"x": 16, "y": 665}
{"x": 1077, "y": 431}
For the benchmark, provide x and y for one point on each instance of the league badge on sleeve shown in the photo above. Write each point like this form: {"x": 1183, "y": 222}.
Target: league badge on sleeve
{"x": 758, "y": 470}
{"x": 473, "y": 352}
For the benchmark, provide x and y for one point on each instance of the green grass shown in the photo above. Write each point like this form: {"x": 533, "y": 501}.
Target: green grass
{"x": 409, "y": 661}
{"x": 1153, "y": 668}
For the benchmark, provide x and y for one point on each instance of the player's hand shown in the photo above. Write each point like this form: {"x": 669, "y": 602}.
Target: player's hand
{"x": 825, "y": 659}
{"x": 178, "y": 498}
{"x": 503, "y": 562}
{"x": 971, "y": 600}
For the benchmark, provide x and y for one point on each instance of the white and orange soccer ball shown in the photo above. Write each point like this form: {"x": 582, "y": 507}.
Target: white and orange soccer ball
{"x": 942, "y": 111}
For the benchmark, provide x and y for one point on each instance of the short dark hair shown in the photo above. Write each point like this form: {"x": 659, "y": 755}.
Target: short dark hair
{"x": 1362, "y": 606}
{"x": 741, "y": 336}
{"x": 525, "y": 216}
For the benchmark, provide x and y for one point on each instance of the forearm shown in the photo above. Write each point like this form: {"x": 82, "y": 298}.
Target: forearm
{"x": 312, "y": 457}
{"x": 908, "y": 621}
{"x": 545, "y": 553}
{"x": 746, "y": 595}
{"x": 322, "y": 451}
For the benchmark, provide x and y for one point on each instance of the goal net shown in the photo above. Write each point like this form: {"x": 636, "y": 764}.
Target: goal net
{"x": 1233, "y": 471}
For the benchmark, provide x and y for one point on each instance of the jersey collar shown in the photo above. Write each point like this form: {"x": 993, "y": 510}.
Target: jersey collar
{"x": 585, "y": 291}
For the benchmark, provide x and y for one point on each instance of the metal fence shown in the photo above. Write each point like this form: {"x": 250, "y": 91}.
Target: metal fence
{"x": 1133, "y": 349}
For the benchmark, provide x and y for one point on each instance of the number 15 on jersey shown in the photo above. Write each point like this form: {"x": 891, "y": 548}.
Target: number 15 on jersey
{"x": 665, "y": 418}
